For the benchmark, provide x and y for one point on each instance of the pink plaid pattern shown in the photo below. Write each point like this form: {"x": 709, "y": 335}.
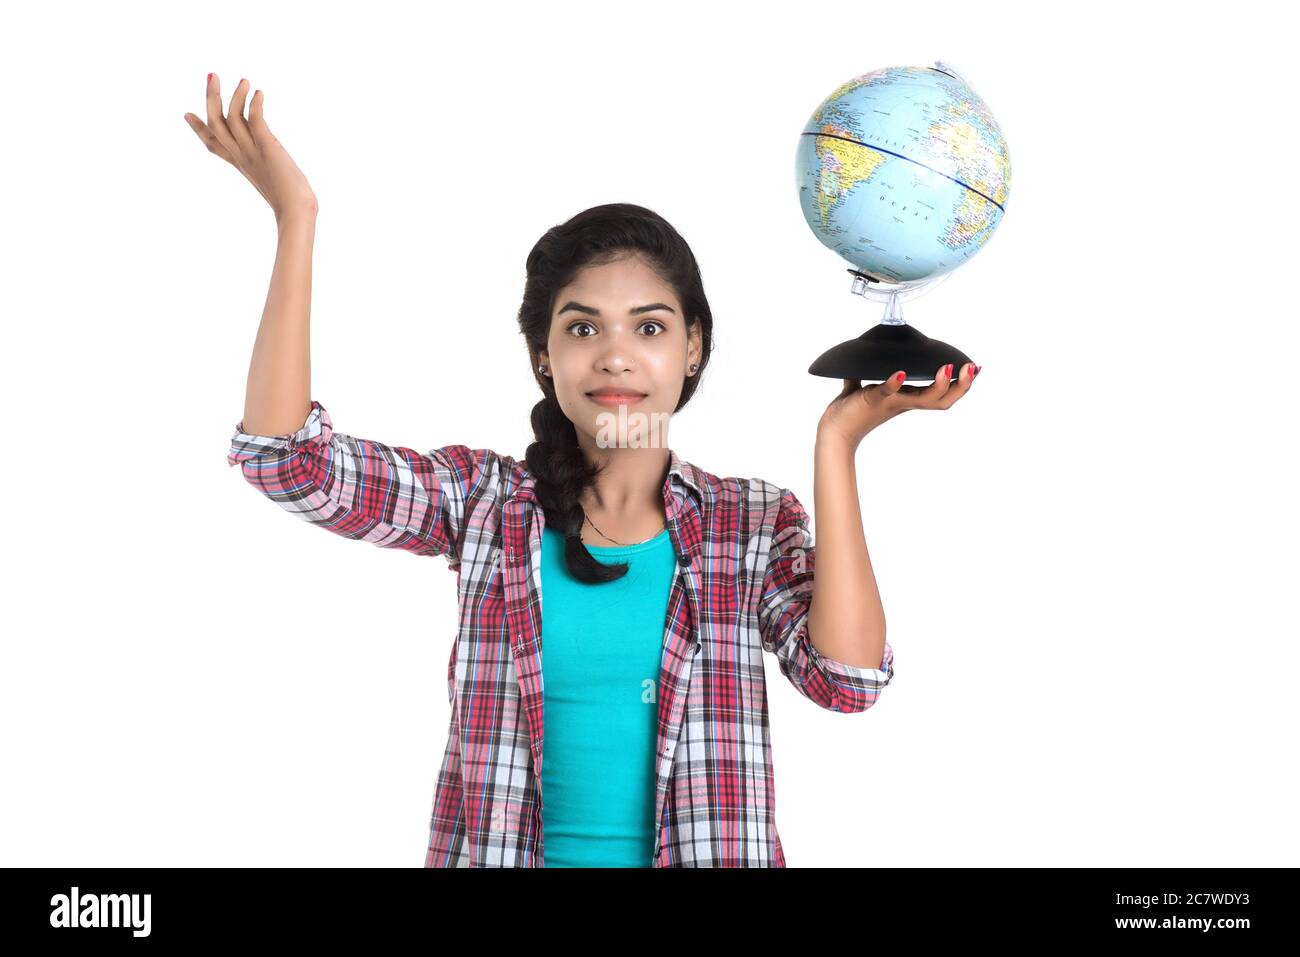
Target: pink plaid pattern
{"x": 743, "y": 586}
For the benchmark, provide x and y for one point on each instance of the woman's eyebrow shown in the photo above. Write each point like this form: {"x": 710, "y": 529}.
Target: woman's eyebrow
{"x": 579, "y": 307}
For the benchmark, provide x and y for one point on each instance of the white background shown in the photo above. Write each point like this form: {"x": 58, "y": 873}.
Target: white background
{"x": 1087, "y": 564}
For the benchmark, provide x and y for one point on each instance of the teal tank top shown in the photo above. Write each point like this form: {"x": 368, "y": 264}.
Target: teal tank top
{"x": 601, "y": 650}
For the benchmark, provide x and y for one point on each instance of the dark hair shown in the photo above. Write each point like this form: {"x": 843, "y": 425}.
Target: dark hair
{"x": 594, "y": 236}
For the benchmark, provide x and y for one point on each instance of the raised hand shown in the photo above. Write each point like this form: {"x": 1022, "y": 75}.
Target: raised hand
{"x": 250, "y": 147}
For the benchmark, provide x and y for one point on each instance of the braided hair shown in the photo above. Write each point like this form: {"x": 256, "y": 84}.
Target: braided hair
{"x": 594, "y": 236}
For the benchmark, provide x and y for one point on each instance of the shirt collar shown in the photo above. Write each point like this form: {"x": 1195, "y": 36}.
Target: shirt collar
{"x": 684, "y": 472}
{"x": 680, "y": 472}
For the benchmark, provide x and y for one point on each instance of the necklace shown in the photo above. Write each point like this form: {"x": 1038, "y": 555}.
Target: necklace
{"x": 606, "y": 537}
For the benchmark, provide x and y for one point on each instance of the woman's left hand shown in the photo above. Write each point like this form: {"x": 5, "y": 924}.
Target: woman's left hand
{"x": 858, "y": 410}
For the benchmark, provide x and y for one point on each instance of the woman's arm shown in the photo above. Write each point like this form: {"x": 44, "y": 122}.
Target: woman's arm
{"x": 278, "y": 395}
{"x": 388, "y": 495}
{"x": 847, "y": 620}
{"x": 286, "y": 446}
{"x": 789, "y": 581}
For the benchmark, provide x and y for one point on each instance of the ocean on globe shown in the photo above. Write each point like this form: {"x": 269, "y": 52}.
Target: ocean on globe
{"x": 903, "y": 172}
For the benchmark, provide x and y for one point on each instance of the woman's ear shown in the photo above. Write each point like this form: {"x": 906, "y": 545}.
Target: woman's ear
{"x": 694, "y": 347}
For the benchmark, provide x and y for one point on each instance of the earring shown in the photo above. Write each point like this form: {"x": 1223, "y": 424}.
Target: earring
{"x": 693, "y": 368}
{"x": 542, "y": 369}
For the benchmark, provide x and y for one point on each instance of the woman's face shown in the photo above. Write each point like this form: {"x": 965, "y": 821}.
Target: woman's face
{"x": 619, "y": 326}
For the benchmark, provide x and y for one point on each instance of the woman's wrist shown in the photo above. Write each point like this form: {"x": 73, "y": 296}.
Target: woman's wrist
{"x": 296, "y": 219}
{"x": 832, "y": 442}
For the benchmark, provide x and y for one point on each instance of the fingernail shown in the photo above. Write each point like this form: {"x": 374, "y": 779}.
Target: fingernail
{"x": 209, "y": 78}
{"x": 900, "y": 376}
{"x": 947, "y": 371}
{"x": 976, "y": 372}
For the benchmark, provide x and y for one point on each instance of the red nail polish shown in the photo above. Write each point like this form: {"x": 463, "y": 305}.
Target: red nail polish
{"x": 209, "y": 77}
{"x": 976, "y": 372}
{"x": 947, "y": 371}
{"x": 901, "y": 376}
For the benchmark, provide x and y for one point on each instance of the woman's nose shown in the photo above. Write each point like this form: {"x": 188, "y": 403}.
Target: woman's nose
{"x": 617, "y": 358}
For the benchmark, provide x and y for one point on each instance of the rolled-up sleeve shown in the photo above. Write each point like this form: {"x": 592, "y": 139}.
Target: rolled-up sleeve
{"x": 390, "y": 496}
{"x": 783, "y": 621}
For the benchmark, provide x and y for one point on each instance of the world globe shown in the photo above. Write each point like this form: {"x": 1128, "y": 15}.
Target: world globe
{"x": 904, "y": 173}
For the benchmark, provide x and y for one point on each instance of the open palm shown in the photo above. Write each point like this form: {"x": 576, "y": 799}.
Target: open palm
{"x": 858, "y": 409}
{"x": 251, "y": 147}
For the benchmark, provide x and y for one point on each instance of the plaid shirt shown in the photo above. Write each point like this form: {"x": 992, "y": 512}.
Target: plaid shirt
{"x": 743, "y": 585}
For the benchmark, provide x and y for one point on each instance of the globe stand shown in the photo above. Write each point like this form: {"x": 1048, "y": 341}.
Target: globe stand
{"x": 891, "y": 344}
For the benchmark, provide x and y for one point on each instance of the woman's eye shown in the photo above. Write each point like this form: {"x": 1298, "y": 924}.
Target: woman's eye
{"x": 651, "y": 323}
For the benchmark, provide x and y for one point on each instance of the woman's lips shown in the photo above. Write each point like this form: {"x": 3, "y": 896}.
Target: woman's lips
{"x": 615, "y": 399}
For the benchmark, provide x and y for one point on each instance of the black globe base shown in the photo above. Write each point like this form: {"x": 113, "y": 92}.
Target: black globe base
{"x": 885, "y": 349}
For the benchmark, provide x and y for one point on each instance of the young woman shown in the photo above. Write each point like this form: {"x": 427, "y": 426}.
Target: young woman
{"x": 642, "y": 715}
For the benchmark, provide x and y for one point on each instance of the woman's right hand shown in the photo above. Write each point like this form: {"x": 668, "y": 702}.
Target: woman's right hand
{"x": 250, "y": 147}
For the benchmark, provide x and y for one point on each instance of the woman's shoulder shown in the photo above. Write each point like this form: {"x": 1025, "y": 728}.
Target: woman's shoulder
{"x": 481, "y": 472}
{"x": 751, "y": 494}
